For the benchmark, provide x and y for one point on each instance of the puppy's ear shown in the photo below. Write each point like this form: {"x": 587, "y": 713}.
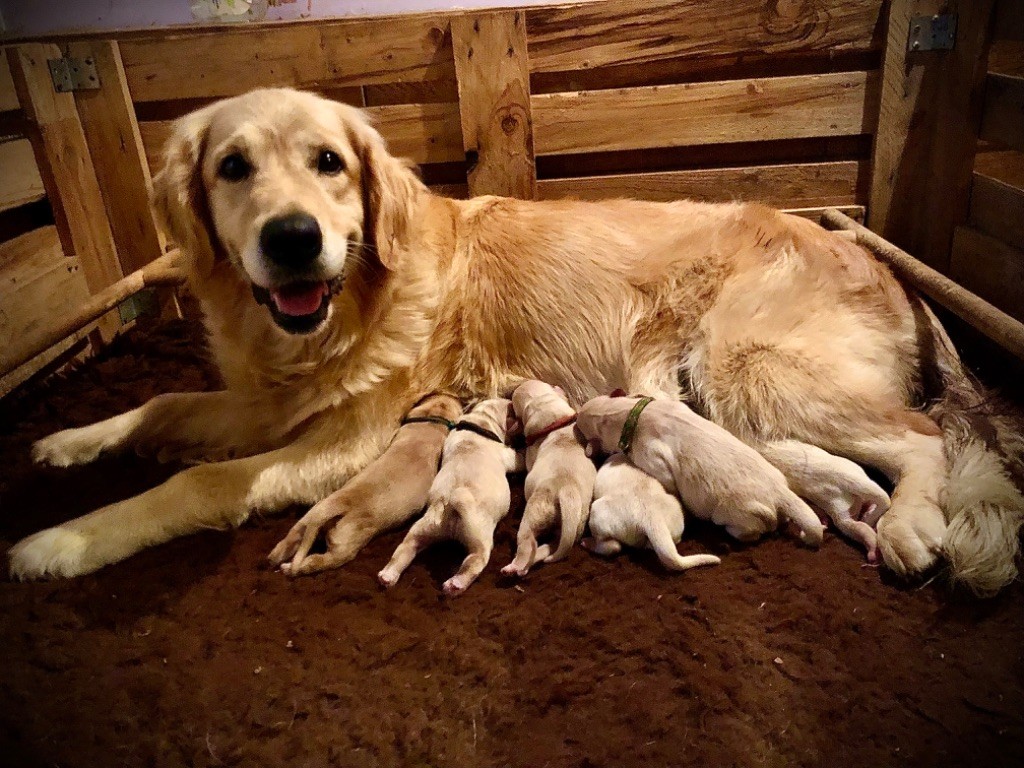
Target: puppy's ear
{"x": 391, "y": 191}
{"x": 513, "y": 426}
{"x": 617, "y": 393}
{"x": 179, "y": 197}
{"x": 560, "y": 392}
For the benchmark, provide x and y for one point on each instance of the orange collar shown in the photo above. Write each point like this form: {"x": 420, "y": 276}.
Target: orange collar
{"x": 536, "y": 437}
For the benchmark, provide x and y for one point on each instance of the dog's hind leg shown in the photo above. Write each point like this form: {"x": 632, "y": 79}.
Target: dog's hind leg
{"x": 539, "y": 516}
{"x": 477, "y": 533}
{"x": 426, "y": 531}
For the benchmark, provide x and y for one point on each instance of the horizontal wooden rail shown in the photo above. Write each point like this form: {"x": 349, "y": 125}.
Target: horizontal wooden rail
{"x": 989, "y": 320}
{"x": 20, "y": 182}
{"x": 1003, "y": 118}
{"x": 997, "y": 208}
{"x": 727, "y": 111}
{"x": 163, "y": 271}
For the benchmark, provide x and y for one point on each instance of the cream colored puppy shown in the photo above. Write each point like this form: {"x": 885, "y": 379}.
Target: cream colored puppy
{"x": 560, "y": 477}
{"x": 387, "y": 493}
{"x": 718, "y": 477}
{"x": 468, "y": 498}
{"x": 632, "y": 508}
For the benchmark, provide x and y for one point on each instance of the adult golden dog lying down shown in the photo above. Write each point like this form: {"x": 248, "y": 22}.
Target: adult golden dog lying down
{"x": 337, "y": 290}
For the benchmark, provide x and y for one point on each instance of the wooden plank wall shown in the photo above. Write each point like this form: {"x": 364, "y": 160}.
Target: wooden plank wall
{"x": 988, "y": 248}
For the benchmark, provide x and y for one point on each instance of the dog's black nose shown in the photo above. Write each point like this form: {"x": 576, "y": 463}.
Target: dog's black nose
{"x": 291, "y": 241}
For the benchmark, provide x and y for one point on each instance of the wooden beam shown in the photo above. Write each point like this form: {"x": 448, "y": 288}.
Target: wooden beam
{"x": 1003, "y": 117}
{"x": 8, "y": 95}
{"x": 585, "y": 36}
{"x": 929, "y": 119}
{"x": 705, "y": 113}
{"x": 20, "y": 182}
{"x": 990, "y": 268}
{"x": 229, "y": 61}
{"x": 797, "y": 185}
{"x": 492, "y": 68}
{"x": 997, "y": 209}
{"x": 65, "y": 165}
{"x": 112, "y": 133}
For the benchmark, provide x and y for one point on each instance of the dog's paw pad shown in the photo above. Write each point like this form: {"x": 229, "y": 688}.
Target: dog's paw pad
{"x": 54, "y": 552}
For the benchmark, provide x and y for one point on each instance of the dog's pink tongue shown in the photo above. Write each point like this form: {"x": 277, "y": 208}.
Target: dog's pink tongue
{"x": 299, "y": 299}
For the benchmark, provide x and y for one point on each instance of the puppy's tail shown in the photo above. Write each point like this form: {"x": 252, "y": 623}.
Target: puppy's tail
{"x": 984, "y": 448}
{"x": 573, "y": 515}
{"x": 661, "y": 542}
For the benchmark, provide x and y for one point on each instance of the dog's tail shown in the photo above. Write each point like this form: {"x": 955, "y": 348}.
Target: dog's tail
{"x": 661, "y": 542}
{"x": 573, "y": 516}
{"x": 982, "y": 501}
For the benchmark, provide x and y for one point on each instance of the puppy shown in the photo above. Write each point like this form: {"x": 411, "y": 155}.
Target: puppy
{"x": 560, "y": 477}
{"x": 836, "y": 486}
{"x": 718, "y": 477}
{"x": 468, "y": 498}
{"x": 384, "y": 495}
{"x": 632, "y": 508}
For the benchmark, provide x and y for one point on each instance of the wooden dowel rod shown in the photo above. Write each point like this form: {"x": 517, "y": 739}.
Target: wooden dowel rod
{"x": 1004, "y": 330}
{"x": 162, "y": 271}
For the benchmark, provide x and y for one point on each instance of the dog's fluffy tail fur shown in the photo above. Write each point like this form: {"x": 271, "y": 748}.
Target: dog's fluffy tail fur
{"x": 983, "y": 501}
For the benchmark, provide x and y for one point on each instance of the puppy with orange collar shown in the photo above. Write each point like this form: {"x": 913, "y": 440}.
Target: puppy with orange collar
{"x": 559, "y": 480}
{"x": 468, "y": 498}
{"x": 716, "y": 476}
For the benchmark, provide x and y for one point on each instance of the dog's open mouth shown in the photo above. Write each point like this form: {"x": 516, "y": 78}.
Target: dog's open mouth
{"x": 299, "y": 307}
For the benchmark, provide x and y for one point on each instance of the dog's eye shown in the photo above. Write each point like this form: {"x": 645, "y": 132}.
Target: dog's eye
{"x": 329, "y": 163}
{"x": 234, "y": 167}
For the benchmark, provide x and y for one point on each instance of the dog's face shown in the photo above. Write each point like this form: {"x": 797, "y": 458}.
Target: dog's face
{"x": 294, "y": 190}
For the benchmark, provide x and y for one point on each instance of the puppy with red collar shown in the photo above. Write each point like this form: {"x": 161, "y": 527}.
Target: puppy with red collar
{"x": 469, "y": 496}
{"x": 559, "y": 480}
{"x": 715, "y": 475}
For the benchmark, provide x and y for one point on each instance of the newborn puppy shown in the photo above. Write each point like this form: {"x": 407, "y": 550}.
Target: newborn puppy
{"x": 834, "y": 485}
{"x": 560, "y": 479}
{"x": 467, "y": 499}
{"x": 384, "y": 495}
{"x": 718, "y": 477}
{"x": 632, "y": 508}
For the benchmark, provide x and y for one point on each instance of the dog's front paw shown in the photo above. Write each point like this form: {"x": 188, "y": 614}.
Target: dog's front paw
{"x": 910, "y": 544}
{"x": 68, "y": 447}
{"x": 54, "y": 552}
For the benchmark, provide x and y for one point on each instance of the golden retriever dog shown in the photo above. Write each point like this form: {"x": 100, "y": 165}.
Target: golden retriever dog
{"x": 335, "y": 287}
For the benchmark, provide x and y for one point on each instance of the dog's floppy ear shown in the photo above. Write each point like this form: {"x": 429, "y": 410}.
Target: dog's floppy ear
{"x": 178, "y": 196}
{"x": 391, "y": 191}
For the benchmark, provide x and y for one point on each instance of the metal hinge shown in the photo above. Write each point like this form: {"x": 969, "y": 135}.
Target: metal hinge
{"x": 932, "y": 33}
{"x": 70, "y": 74}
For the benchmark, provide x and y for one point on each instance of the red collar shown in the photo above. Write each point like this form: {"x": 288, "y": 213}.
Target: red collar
{"x": 536, "y": 437}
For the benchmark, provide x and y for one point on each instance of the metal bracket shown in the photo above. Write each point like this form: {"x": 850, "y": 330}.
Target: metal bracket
{"x": 69, "y": 74}
{"x": 142, "y": 303}
{"x": 932, "y": 33}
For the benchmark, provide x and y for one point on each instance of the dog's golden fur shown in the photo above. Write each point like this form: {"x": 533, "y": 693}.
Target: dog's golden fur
{"x": 773, "y": 327}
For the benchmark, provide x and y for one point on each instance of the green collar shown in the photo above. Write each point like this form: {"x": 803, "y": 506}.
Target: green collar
{"x": 629, "y": 428}
{"x": 428, "y": 420}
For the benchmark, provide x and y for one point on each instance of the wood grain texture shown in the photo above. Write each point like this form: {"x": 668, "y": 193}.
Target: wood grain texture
{"x": 1005, "y": 165}
{"x": 66, "y": 168}
{"x": 626, "y": 32}
{"x": 8, "y": 95}
{"x": 20, "y": 182}
{"x": 423, "y": 133}
{"x": 990, "y": 268}
{"x": 226, "y": 62}
{"x": 492, "y": 68}
{"x": 930, "y": 115}
{"x": 997, "y": 209}
{"x": 112, "y": 133}
{"x": 798, "y": 185}
{"x": 705, "y": 113}
{"x": 1003, "y": 116}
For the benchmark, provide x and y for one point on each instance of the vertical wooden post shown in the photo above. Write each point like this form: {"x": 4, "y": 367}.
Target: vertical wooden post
{"x": 112, "y": 133}
{"x": 492, "y": 68}
{"x": 66, "y": 169}
{"x": 929, "y": 120}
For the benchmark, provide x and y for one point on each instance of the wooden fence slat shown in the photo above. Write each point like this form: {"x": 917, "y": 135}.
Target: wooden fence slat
{"x": 8, "y": 95}
{"x": 573, "y": 37}
{"x": 1003, "y": 117}
{"x": 424, "y": 133}
{"x": 226, "y": 61}
{"x": 803, "y": 185}
{"x": 20, "y": 182}
{"x": 65, "y": 165}
{"x": 492, "y": 68}
{"x": 997, "y": 209}
{"x": 108, "y": 119}
{"x": 990, "y": 268}
{"x": 705, "y": 113}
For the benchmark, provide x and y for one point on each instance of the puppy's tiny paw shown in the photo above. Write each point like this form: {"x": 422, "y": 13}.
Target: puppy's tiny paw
{"x": 387, "y": 579}
{"x": 454, "y": 587}
{"x": 55, "y": 552}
